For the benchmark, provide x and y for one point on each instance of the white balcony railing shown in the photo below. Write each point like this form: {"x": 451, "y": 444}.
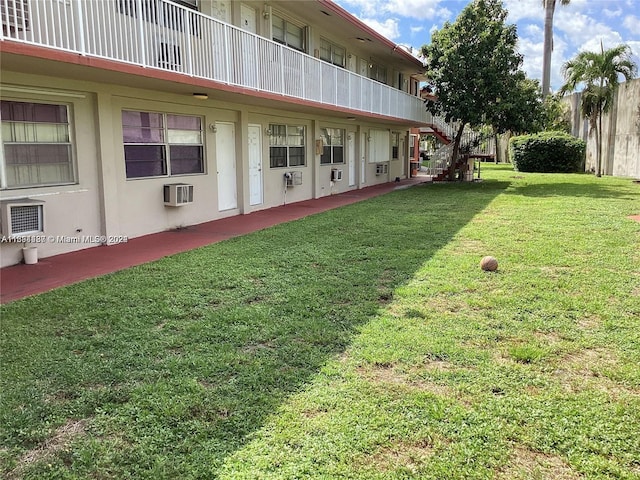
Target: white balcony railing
{"x": 163, "y": 35}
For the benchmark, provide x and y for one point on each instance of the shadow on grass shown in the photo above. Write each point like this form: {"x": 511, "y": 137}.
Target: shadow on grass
{"x": 569, "y": 189}
{"x": 175, "y": 363}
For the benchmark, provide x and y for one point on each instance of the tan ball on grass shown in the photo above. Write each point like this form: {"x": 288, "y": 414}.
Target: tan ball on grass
{"x": 489, "y": 264}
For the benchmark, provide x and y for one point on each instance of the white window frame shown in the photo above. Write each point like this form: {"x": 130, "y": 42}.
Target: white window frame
{"x": 273, "y": 144}
{"x": 327, "y": 143}
{"x": 395, "y": 144}
{"x": 379, "y": 72}
{"x": 167, "y": 146}
{"x": 286, "y": 21}
{"x": 332, "y": 47}
{"x": 379, "y": 146}
{"x": 71, "y": 145}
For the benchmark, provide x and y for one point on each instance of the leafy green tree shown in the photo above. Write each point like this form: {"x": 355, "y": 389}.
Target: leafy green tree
{"x": 556, "y": 114}
{"x": 549, "y": 10}
{"x": 522, "y": 110}
{"x": 600, "y": 74}
{"x": 475, "y": 69}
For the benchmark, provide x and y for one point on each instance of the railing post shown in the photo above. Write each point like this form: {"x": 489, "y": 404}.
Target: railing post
{"x": 281, "y": 56}
{"x": 118, "y": 33}
{"x": 320, "y": 85}
{"x": 304, "y": 75}
{"x": 335, "y": 81}
{"x": 80, "y": 15}
{"x": 229, "y": 52}
{"x": 141, "y": 36}
{"x": 187, "y": 25}
{"x": 6, "y": 15}
{"x": 256, "y": 47}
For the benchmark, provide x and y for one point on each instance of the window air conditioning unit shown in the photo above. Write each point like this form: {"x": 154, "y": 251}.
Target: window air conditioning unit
{"x": 382, "y": 168}
{"x": 178, "y": 194}
{"x": 293, "y": 178}
{"x": 22, "y": 217}
{"x": 336, "y": 175}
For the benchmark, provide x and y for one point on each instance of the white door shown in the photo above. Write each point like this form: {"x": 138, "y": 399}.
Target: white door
{"x": 401, "y": 156}
{"x": 220, "y": 9}
{"x": 363, "y": 157}
{"x": 248, "y": 18}
{"x": 364, "y": 68}
{"x": 226, "y": 161}
{"x": 351, "y": 158}
{"x": 255, "y": 164}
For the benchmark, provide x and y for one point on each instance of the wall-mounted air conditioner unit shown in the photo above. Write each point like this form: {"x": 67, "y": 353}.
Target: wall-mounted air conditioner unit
{"x": 293, "y": 178}
{"x": 382, "y": 168}
{"x": 178, "y": 194}
{"x": 336, "y": 175}
{"x": 22, "y": 217}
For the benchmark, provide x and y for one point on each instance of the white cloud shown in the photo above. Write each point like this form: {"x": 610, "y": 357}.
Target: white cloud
{"x": 631, "y": 23}
{"x": 580, "y": 28}
{"x": 388, "y": 28}
{"x": 532, "y": 30}
{"x": 532, "y": 52}
{"x": 367, "y": 8}
{"x": 635, "y": 51}
{"x": 443, "y": 13}
{"x": 635, "y": 48}
{"x": 519, "y": 10}
{"x": 533, "y": 9}
{"x": 612, "y": 13}
{"x": 415, "y": 9}
{"x": 419, "y": 9}
{"x": 531, "y": 46}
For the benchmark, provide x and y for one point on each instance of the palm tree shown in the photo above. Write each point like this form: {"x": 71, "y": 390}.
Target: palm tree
{"x": 549, "y": 9}
{"x": 600, "y": 73}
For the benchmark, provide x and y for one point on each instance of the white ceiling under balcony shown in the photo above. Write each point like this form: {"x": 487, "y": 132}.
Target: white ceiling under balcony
{"x": 330, "y": 18}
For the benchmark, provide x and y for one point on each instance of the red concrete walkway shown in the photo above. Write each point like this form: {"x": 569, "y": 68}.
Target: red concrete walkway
{"x": 22, "y": 280}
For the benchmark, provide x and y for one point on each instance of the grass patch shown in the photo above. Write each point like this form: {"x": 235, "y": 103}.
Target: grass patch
{"x": 364, "y": 342}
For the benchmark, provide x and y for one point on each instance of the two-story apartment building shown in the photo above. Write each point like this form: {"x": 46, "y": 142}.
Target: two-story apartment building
{"x": 122, "y": 118}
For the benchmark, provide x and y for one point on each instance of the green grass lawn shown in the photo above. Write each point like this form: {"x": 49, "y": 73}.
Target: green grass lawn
{"x": 361, "y": 343}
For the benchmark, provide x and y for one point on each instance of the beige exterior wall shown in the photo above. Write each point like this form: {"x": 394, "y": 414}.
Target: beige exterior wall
{"x": 105, "y": 203}
{"x": 621, "y": 132}
{"x": 105, "y": 206}
{"x": 73, "y": 210}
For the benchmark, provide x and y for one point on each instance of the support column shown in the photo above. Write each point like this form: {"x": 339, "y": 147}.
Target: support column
{"x": 242, "y": 161}
{"x": 107, "y": 143}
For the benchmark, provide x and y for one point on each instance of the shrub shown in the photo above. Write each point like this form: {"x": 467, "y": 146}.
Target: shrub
{"x": 547, "y": 152}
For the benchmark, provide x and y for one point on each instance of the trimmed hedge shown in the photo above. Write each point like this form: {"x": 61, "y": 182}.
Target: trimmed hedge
{"x": 547, "y": 152}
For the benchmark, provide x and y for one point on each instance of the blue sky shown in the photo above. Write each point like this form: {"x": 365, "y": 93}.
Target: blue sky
{"x": 579, "y": 26}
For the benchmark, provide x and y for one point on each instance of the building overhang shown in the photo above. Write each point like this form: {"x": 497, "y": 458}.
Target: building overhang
{"x": 31, "y": 59}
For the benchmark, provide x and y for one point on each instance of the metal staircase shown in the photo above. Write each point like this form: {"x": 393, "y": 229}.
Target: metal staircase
{"x": 472, "y": 145}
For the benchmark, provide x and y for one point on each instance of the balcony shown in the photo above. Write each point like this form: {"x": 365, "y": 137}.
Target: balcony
{"x": 159, "y": 34}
